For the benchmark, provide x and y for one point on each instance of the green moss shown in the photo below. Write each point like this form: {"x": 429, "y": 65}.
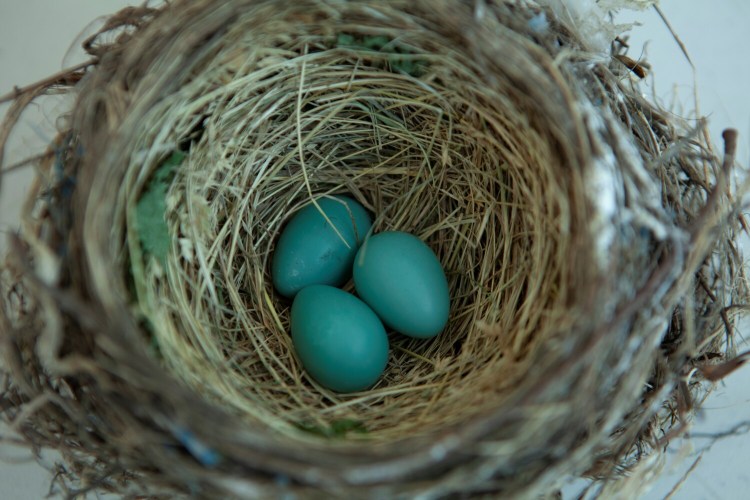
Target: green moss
{"x": 399, "y": 58}
{"x": 337, "y": 428}
{"x": 151, "y": 209}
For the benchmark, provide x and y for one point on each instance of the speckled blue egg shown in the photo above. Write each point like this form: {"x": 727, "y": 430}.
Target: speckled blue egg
{"x": 311, "y": 252}
{"x": 402, "y": 280}
{"x": 339, "y": 340}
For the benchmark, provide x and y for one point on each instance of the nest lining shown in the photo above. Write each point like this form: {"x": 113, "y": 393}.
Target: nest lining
{"x": 561, "y": 296}
{"x": 439, "y": 156}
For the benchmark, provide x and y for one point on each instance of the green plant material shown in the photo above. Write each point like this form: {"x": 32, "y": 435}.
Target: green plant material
{"x": 341, "y": 427}
{"x": 345, "y": 40}
{"x": 376, "y": 43}
{"x": 151, "y": 209}
{"x": 400, "y": 59}
{"x": 337, "y": 428}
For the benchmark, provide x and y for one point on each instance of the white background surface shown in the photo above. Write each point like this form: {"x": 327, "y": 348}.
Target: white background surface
{"x": 35, "y": 36}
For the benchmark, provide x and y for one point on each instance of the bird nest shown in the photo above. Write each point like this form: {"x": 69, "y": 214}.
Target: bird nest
{"x": 588, "y": 238}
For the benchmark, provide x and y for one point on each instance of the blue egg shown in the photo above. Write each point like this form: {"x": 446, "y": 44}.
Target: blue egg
{"x": 401, "y": 278}
{"x": 339, "y": 340}
{"x": 311, "y": 252}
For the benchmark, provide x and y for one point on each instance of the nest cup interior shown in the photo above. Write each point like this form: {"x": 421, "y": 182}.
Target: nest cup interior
{"x": 405, "y": 120}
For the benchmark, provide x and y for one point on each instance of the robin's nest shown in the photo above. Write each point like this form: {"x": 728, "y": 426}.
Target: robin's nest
{"x": 588, "y": 238}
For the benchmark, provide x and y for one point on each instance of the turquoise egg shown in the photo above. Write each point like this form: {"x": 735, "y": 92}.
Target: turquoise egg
{"x": 401, "y": 278}
{"x": 309, "y": 250}
{"x": 341, "y": 342}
